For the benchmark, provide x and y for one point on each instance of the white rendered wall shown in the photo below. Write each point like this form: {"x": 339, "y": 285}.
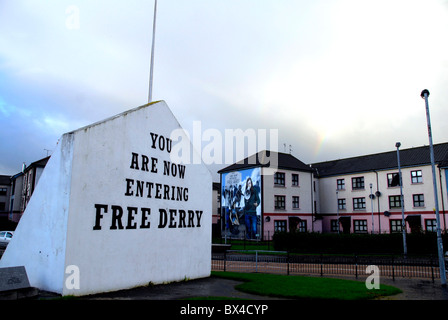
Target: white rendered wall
{"x": 159, "y": 237}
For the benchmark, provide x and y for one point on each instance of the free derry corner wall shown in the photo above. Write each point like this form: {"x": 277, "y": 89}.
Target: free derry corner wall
{"x": 113, "y": 211}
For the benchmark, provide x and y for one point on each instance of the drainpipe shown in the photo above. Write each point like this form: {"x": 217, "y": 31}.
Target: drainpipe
{"x": 441, "y": 194}
{"x": 377, "y": 193}
{"x": 312, "y": 200}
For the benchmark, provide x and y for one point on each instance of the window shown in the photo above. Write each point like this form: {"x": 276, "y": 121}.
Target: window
{"x": 3, "y": 191}
{"x": 301, "y": 227}
{"x": 334, "y": 225}
{"x": 295, "y": 180}
{"x": 358, "y": 183}
{"x": 295, "y": 203}
{"x": 395, "y": 226}
{"x": 279, "y": 202}
{"x": 416, "y": 176}
{"x": 340, "y": 184}
{"x": 360, "y": 226}
{"x": 393, "y": 180}
{"x": 359, "y": 203}
{"x": 279, "y": 179}
{"x": 394, "y": 202}
{"x": 419, "y": 200}
{"x": 431, "y": 225}
{"x": 2, "y": 206}
{"x": 341, "y": 204}
{"x": 280, "y": 226}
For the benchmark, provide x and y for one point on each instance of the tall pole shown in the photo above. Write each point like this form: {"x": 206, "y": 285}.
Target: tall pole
{"x": 337, "y": 208}
{"x": 424, "y": 95}
{"x": 151, "y": 71}
{"x": 371, "y": 205}
{"x": 403, "y": 223}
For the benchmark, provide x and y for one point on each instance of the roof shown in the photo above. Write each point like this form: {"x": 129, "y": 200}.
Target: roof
{"x": 4, "y": 180}
{"x": 265, "y": 158}
{"x": 39, "y": 163}
{"x": 383, "y": 161}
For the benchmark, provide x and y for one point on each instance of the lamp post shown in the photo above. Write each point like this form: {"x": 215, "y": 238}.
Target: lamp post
{"x": 337, "y": 208}
{"x": 371, "y": 205}
{"x": 403, "y": 223}
{"x": 425, "y": 95}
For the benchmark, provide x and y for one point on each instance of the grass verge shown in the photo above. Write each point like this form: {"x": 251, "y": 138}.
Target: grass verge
{"x": 300, "y": 287}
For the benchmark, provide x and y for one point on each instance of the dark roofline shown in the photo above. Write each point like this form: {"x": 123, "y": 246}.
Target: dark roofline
{"x": 284, "y": 161}
{"x": 5, "y": 180}
{"x": 410, "y": 157}
{"x": 39, "y": 163}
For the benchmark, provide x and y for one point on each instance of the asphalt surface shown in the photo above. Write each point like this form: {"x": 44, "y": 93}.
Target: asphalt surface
{"x": 413, "y": 289}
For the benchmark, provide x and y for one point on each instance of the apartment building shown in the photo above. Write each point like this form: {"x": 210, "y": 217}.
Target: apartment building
{"x": 261, "y": 197}
{"x": 362, "y": 194}
{"x": 353, "y": 195}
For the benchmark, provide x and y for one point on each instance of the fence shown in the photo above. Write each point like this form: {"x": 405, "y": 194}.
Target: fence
{"x": 282, "y": 262}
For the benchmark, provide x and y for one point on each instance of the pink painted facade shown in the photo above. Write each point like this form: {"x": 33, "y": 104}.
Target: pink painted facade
{"x": 356, "y": 195}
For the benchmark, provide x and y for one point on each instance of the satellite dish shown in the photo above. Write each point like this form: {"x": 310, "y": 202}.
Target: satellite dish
{"x": 386, "y": 213}
{"x": 378, "y": 193}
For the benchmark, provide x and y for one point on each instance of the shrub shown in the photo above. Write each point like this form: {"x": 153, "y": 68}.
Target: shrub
{"x": 329, "y": 243}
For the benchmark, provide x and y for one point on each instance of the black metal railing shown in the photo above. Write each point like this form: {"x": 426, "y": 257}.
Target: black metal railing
{"x": 282, "y": 262}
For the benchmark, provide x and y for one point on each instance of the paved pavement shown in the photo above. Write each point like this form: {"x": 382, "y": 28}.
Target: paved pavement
{"x": 206, "y": 287}
{"x": 413, "y": 289}
{"x": 417, "y": 289}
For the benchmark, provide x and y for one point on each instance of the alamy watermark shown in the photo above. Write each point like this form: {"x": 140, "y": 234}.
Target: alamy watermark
{"x": 72, "y": 21}
{"x": 73, "y": 277}
{"x": 373, "y": 280}
{"x": 212, "y": 146}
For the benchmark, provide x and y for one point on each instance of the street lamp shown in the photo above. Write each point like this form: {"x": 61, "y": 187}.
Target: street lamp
{"x": 425, "y": 95}
{"x": 337, "y": 208}
{"x": 403, "y": 223}
{"x": 371, "y": 205}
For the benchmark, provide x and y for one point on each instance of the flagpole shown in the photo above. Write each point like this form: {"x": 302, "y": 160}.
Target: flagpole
{"x": 151, "y": 72}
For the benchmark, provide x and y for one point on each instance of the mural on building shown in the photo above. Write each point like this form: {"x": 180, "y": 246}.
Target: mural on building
{"x": 241, "y": 203}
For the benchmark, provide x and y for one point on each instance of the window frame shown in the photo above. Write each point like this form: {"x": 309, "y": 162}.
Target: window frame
{"x": 358, "y": 183}
{"x": 280, "y": 226}
{"x": 302, "y": 225}
{"x": 295, "y": 183}
{"x": 342, "y": 204}
{"x": 395, "y": 226}
{"x": 357, "y": 202}
{"x": 393, "y": 200}
{"x": 295, "y": 201}
{"x": 430, "y": 224}
{"x": 340, "y": 184}
{"x": 360, "y": 226}
{"x": 418, "y": 177}
{"x": 390, "y": 178}
{"x": 279, "y": 202}
{"x": 420, "y": 202}
{"x": 279, "y": 179}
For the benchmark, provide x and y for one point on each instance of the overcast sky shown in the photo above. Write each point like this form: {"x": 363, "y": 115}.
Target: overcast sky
{"x": 337, "y": 78}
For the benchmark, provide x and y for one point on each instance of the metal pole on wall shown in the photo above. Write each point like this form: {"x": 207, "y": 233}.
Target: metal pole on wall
{"x": 337, "y": 208}
{"x": 151, "y": 71}
{"x": 403, "y": 223}
{"x": 371, "y": 205}
{"x": 424, "y": 95}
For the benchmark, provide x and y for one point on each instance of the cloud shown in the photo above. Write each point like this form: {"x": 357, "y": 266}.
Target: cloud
{"x": 338, "y": 77}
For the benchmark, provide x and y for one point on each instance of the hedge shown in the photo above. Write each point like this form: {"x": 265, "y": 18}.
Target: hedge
{"x": 329, "y": 243}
